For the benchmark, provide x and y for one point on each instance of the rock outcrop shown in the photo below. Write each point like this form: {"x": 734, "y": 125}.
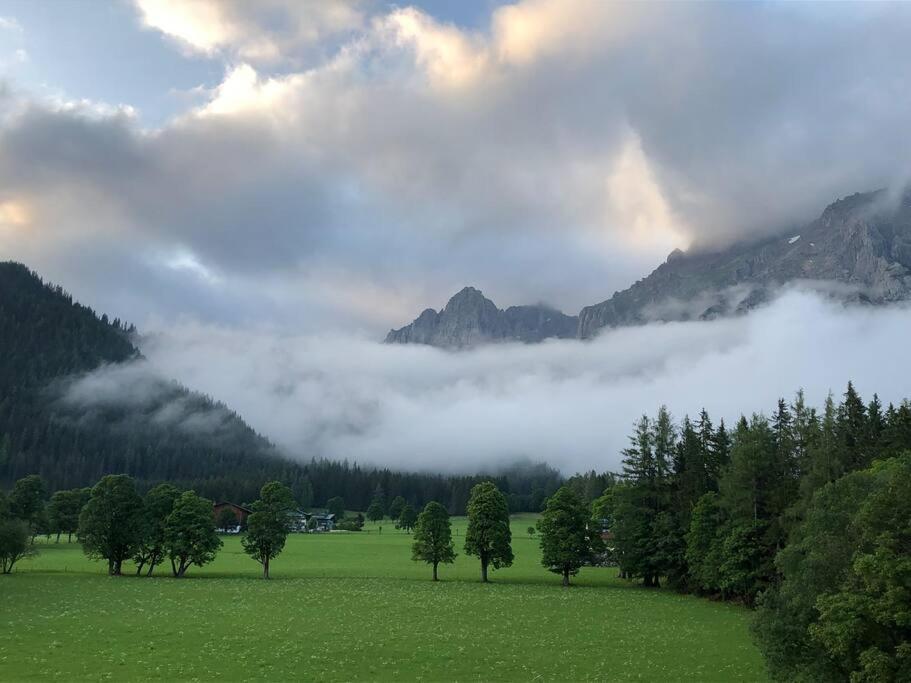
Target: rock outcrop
{"x": 859, "y": 248}
{"x": 861, "y": 244}
{"x": 470, "y": 319}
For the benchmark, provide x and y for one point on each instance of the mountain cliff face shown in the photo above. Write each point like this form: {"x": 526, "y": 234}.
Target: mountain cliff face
{"x": 862, "y": 242}
{"x": 860, "y": 248}
{"x": 470, "y": 318}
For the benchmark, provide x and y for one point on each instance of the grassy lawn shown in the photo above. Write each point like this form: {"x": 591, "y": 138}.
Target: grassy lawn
{"x": 349, "y": 606}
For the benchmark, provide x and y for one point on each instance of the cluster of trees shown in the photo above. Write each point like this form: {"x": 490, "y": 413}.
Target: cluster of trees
{"x": 749, "y": 515}
{"x": 48, "y": 338}
{"x": 400, "y": 511}
{"x": 114, "y": 523}
{"x": 569, "y": 540}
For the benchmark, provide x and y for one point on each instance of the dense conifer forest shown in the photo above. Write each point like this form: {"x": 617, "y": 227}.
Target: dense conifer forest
{"x": 48, "y": 339}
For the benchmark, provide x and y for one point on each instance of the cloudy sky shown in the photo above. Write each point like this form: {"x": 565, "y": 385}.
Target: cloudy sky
{"x": 315, "y": 169}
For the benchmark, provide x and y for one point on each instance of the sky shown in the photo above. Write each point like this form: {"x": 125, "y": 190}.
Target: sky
{"x": 300, "y": 172}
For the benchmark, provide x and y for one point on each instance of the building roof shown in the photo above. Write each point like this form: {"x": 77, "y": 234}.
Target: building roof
{"x": 233, "y": 505}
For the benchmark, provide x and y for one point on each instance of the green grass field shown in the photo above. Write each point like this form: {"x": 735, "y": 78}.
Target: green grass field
{"x": 353, "y": 606}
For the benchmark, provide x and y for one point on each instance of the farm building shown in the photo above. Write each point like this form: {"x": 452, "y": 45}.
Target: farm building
{"x": 240, "y": 512}
{"x": 313, "y": 521}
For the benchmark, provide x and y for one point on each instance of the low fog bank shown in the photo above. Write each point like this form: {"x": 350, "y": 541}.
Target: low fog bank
{"x": 569, "y": 403}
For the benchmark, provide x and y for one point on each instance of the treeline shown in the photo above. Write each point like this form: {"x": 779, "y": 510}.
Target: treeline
{"x": 114, "y": 523}
{"x": 773, "y": 513}
{"x": 165, "y": 433}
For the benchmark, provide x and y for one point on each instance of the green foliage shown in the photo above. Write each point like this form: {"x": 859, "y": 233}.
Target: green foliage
{"x": 568, "y": 542}
{"x": 111, "y": 524}
{"x": 226, "y": 519}
{"x": 26, "y": 501}
{"x": 269, "y": 524}
{"x": 336, "y": 506}
{"x": 355, "y": 523}
{"x": 190, "y": 537}
{"x": 488, "y": 536}
{"x": 407, "y": 518}
{"x": 433, "y": 537}
{"x": 64, "y": 509}
{"x": 158, "y": 505}
{"x": 375, "y": 512}
{"x": 15, "y": 542}
{"x": 703, "y": 544}
{"x": 395, "y": 507}
{"x": 843, "y": 608}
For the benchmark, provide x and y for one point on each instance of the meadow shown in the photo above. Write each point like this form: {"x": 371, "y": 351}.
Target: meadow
{"x": 353, "y": 606}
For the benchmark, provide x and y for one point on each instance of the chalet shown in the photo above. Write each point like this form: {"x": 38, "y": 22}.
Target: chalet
{"x": 240, "y": 513}
{"x": 312, "y": 521}
{"x": 323, "y": 522}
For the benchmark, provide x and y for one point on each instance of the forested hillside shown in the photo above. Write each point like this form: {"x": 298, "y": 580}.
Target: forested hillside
{"x": 163, "y": 431}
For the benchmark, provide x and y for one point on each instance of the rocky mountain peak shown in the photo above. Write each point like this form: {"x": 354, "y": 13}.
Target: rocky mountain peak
{"x": 862, "y": 242}
{"x": 469, "y": 318}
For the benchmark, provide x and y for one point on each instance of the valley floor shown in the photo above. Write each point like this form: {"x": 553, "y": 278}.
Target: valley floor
{"x": 353, "y": 606}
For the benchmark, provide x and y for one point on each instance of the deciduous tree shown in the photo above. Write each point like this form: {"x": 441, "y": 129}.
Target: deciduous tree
{"x": 189, "y": 533}
{"x": 407, "y": 518}
{"x": 15, "y": 542}
{"x": 110, "y": 525}
{"x": 567, "y": 541}
{"x": 433, "y": 537}
{"x": 269, "y": 524}
{"x": 488, "y": 536}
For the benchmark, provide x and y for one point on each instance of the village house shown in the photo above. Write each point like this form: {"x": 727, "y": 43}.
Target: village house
{"x": 240, "y": 513}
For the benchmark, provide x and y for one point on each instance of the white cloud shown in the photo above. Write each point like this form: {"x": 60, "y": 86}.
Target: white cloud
{"x": 266, "y": 30}
{"x": 10, "y": 24}
{"x": 567, "y": 402}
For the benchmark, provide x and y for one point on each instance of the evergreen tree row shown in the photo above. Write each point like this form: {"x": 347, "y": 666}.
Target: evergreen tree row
{"x": 800, "y": 513}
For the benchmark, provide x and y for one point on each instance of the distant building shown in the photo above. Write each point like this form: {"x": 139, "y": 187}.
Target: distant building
{"x": 240, "y": 513}
{"x": 313, "y": 521}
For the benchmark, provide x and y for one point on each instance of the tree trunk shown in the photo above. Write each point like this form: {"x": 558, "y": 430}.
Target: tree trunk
{"x": 565, "y": 577}
{"x": 266, "y": 568}
{"x": 69, "y": 537}
{"x": 58, "y": 537}
{"x": 435, "y": 571}
{"x": 484, "y": 571}
{"x": 117, "y": 565}
{"x": 151, "y": 567}
{"x": 173, "y": 567}
{"x": 139, "y": 568}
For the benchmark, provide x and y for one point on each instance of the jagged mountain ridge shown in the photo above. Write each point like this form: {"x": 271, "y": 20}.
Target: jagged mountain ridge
{"x": 861, "y": 242}
{"x": 470, "y": 318}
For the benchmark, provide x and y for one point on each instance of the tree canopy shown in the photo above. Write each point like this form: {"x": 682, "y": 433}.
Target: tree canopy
{"x": 488, "y": 536}
{"x": 433, "y": 537}
{"x": 269, "y": 524}
{"x": 110, "y": 525}
{"x": 568, "y": 539}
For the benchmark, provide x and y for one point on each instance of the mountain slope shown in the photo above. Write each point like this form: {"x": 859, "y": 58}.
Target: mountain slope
{"x": 860, "y": 248}
{"x": 77, "y": 401}
{"x": 470, "y": 318}
{"x": 862, "y": 241}
{"x": 53, "y": 424}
